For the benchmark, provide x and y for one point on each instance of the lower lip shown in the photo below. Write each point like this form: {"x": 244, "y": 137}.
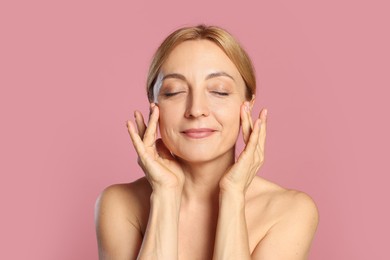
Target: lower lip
{"x": 198, "y": 135}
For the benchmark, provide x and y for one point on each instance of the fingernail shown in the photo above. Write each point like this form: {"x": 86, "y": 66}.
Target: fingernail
{"x": 266, "y": 112}
{"x": 247, "y": 106}
{"x": 258, "y": 122}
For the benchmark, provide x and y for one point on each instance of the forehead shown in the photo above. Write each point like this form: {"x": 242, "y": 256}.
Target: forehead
{"x": 199, "y": 58}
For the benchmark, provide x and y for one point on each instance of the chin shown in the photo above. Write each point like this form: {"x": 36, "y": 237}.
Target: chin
{"x": 193, "y": 159}
{"x": 197, "y": 156}
{"x": 202, "y": 150}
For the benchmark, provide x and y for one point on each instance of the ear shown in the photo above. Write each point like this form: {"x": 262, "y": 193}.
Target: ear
{"x": 252, "y": 102}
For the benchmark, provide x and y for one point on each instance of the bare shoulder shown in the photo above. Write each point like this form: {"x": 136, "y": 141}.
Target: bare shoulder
{"x": 126, "y": 201}
{"x": 289, "y": 219}
{"x": 279, "y": 200}
{"x": 139, "y": 189}
{"x": 120, "y": 213}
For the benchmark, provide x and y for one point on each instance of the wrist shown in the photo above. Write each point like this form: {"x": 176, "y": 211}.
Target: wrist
{"x": 167, "y": 192}
{"x": 167, "y": 187}
{"x": 235, "y": 197}
{"x": 229, "y": 186}
{"x": 230, "y": 189}
{"x": 166, "y": 197}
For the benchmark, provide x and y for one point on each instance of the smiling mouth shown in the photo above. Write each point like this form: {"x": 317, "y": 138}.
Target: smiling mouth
{"x": 197, "y": 133}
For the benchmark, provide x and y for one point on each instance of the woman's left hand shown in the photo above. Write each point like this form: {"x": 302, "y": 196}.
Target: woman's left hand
{"x": 241, "y": 174}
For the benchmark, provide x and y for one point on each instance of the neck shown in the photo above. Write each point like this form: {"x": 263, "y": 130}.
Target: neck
{"x": 202, "y": 179}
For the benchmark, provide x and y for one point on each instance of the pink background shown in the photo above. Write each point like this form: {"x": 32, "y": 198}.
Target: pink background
{"x": 72, "y": 73}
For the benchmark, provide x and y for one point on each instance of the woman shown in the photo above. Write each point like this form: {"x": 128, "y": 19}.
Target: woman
{"x": 196, "y": 201}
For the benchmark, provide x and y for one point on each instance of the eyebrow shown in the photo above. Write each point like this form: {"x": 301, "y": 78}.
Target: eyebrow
{"x": 219, "y": 74}
{"x": 174, "y": 76}
{"x": 210, "y": 76}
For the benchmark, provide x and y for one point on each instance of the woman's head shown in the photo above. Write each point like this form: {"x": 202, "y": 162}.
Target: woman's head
{"x": 218, "y": 36}
{"x": 203, "y": 78}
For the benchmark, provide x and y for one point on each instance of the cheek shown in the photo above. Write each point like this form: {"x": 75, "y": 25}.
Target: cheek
{"x": 167, "y": 123}
{"x": 229, "y": 118}
{"x": 229, "y": 114}
{"x": 164, "y": 123}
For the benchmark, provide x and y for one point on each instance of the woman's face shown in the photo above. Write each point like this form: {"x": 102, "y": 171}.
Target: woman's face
{"x": 199, "y": 100}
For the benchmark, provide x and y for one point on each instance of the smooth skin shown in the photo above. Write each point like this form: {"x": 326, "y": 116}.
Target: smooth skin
{"x": 196, "y": 201}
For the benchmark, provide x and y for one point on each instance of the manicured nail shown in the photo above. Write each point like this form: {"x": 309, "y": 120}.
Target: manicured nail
{"x": 265, "y": 112}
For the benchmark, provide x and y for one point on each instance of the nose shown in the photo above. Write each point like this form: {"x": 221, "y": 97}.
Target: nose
{"x": 197, "y": 105}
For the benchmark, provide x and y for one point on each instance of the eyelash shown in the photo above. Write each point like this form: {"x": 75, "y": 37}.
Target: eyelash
{"x": 221, "y": 93}
{"x": 168, "y": 94}
{"x": 224, "y": 94}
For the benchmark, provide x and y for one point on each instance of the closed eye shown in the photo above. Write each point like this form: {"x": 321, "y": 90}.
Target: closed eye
{"x": 171, "y": 94}
{"x": 220, "y": 93}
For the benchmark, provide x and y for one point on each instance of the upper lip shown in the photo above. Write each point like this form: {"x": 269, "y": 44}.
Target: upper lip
{"x": 198, "y": 130}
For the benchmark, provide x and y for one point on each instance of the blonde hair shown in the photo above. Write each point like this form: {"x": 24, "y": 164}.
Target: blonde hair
{"x": 214, "y": 34}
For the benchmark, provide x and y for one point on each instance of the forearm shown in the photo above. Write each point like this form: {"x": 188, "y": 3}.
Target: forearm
{"x": 232, "y": 236}
{"x": 161, "y": 237}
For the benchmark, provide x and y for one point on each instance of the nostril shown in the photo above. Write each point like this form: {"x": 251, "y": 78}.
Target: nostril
{"x": 197, "y": 105}
{"x": 197, "y": 112}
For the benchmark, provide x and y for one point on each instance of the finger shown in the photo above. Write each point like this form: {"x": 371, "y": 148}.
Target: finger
{"x": 151, "y": 130}
{"x": 135, "y": 139}
{"x": 250, "y": 117}
{"x": 162, "y": 150}
{"x": 253, "y": 139}
{"x": 139, "y": 120}
{"x": 245, "y": 123}
{"x": 247, "y": 157}
{"x": 152, "y": 105}
{"x": 263, "y": 129}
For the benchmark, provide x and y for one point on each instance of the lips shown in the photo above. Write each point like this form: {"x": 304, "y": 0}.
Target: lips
{"x": 198, "y": 133}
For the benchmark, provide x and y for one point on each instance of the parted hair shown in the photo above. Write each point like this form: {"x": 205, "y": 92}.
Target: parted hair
{"x": 215, "y": 34}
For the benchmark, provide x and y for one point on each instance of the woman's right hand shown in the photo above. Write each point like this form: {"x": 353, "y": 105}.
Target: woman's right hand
{"x": 159, "y": 165}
